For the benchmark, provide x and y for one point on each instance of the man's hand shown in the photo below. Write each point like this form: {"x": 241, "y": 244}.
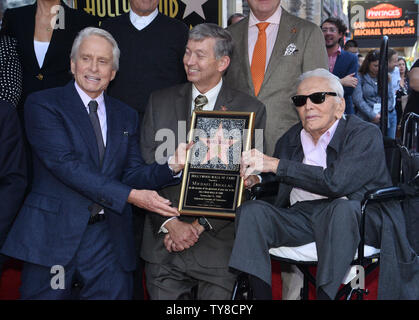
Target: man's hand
{"x": 151, "y": 201}
{"x": 255, "y": 162}
{"x": 349, "y": 81}
{"x": 377, "y": 118}
{"x": 251, "y": 181}
{"x": 178, "y": 160}
{"x": 182, "y": 235}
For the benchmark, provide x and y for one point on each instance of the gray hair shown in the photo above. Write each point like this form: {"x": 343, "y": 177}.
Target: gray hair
{"x": 91, "y": 31}
{"x": 223, "y": 39}
{"x": 334, "y": 81}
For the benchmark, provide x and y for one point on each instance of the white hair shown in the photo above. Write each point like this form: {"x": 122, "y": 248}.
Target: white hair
{"x": 334, "y": 81}
{"x": 91, "y": 31}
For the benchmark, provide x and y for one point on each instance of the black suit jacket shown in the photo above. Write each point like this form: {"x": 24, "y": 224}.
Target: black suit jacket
{"x": 166, "y": 108}
{"x": 12, "y": 167}
{"x": 20, "y": 24}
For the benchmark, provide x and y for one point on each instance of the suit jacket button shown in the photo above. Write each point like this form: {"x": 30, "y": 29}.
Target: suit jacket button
{"x": 40, "y": 76}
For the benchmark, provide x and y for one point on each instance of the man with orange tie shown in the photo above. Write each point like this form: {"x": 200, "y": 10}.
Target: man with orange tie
{"x": 272, "y": 49}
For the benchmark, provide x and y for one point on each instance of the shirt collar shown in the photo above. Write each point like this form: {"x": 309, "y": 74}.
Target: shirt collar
{"x": 140, "y": 22}
{"x": 324, "y": 140}
{"x": 86, "y": 99}
{"x": 273, "y": 19}
{"x": 210, "y": 94}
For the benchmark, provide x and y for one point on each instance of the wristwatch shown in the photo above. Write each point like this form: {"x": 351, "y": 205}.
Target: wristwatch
{"x": 204, "y": 222}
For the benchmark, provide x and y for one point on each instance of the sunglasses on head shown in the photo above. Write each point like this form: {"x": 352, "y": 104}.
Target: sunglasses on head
{"x": 316, "y": 97}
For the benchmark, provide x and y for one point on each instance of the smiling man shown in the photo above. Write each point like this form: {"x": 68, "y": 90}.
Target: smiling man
{"x": 324, "y": 166}
{"x": 87, "y": 169}
{"x": 342, "y": 63}
{"x": 191, "y": 252}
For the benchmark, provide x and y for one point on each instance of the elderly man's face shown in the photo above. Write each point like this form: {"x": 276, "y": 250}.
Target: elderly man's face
{"x": 143, "y": 7}
{"x": 93, "y": 67}
{"x": 201, "y": 66}
{"x": 318, "y": 118}
{"x": 263, "y": 9}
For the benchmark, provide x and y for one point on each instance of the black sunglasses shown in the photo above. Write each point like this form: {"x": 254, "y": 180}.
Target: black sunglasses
{"x": 316, "y": 97}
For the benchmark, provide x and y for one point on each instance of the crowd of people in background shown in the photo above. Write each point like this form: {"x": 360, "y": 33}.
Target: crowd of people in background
{"x": 150, "y": 72}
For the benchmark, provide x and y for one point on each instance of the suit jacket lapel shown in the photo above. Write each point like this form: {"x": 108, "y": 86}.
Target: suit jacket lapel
{"x": 286, "y": 33}
{"x": 242, "y": 47}
{"x": 223, "y": 99}
{"x": 29, "y": 32}
{"x": 77, "y": 111}
{"x": 334, "y": 145}
{"x": 183, "y": 104}
{"x": 114, "y": 134}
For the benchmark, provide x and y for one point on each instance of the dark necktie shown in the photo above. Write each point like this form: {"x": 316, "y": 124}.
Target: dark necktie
{"x": 200, "y": 101}
{"x": 96, "y": 126}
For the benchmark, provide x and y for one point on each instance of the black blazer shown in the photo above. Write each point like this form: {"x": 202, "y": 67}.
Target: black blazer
{"x": 20, "y": 24}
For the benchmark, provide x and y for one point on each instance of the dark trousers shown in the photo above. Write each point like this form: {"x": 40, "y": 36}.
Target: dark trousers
{"x": 138, "y": 224}
{"x": 332, "y": 224}
{"x": 94, "y": 269}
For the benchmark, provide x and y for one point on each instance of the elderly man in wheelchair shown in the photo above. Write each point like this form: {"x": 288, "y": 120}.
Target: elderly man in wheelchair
{"x": 324, "y": 165}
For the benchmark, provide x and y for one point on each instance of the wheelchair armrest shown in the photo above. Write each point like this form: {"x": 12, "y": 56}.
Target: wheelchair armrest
{"x": 382, "y": 194}
{"x": 264, "y": 189}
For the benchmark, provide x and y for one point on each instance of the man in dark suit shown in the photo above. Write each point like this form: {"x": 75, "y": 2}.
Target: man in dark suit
{"x": 324, "y": 168}
{"x": 87, "y": 170}
{"x": 342, "y": 64}
{"x": 189, "y": 252}
{"x": 13, "y": 173}
{"x": 152, "y": 46}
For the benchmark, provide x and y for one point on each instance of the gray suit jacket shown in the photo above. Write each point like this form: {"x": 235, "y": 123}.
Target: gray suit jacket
{"x": 282, "y": 72}
{"x": 165, "y": 109}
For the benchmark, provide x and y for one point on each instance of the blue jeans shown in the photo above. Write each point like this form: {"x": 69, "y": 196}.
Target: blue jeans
{"x": 392, "y": 124}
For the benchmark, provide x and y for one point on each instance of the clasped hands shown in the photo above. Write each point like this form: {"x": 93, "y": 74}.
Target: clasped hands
{"x": 150, "y": 200}
{"x": 182, "y": 235}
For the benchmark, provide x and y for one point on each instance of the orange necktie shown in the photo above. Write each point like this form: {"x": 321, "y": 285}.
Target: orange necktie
{"x": 259, "y": 57}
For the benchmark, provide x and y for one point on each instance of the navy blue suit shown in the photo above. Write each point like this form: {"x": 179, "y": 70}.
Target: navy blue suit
{"x": 13, "y": 173}
{"x": 68, "y": 179}
{"x": 346, "y": 63}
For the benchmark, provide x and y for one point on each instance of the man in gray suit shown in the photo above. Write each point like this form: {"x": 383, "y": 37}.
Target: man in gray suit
{"x": 324, "y": 166}
{"x": 187, "y": 253}
{"x": 293, "y": 46}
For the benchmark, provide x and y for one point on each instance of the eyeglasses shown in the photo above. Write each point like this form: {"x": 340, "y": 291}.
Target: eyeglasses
{"x": 316, "y": 97}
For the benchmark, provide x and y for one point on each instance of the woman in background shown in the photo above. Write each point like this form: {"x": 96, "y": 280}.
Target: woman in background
{"x": 366, "y": 99}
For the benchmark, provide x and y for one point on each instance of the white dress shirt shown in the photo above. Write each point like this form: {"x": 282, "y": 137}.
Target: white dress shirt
{"x": 271, "y": 33}
{"x": 101, "y": 112}
{"x": 315, "y": 155}
{"x": 140, "y": 22}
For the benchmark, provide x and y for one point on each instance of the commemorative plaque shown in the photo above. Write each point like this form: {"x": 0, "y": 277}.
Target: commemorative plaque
{"x": 211, "y": 184}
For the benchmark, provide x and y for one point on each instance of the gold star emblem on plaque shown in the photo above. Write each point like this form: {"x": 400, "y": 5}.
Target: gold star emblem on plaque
{"x": 218, "y": 146}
